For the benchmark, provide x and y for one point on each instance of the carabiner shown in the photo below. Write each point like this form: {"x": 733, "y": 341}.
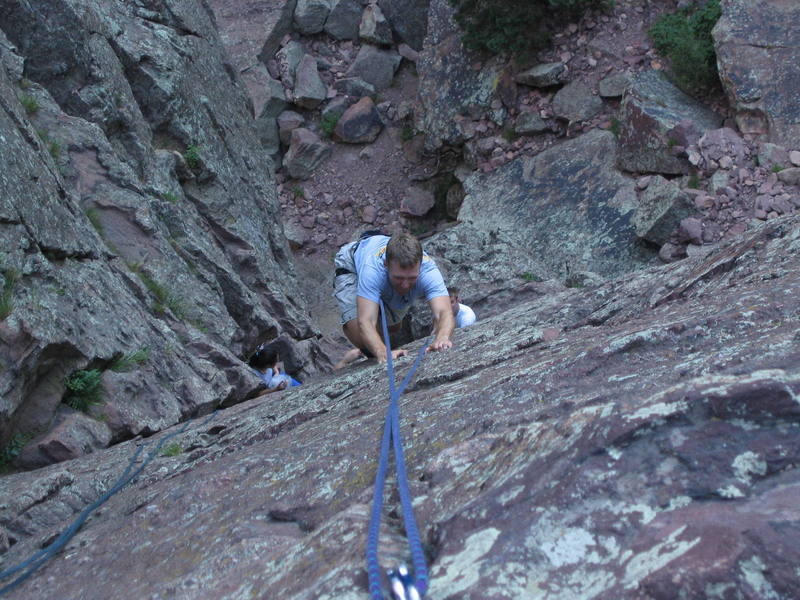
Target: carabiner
{"x": 402, "y": 584}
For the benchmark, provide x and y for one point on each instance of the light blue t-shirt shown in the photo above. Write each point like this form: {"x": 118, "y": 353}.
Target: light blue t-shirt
{"x": 373, "y": 276}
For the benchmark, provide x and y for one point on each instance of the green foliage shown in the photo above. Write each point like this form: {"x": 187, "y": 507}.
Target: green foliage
{"x": 170, "y": 197}
{"x": 777, "y": 168}
{"x": 328, "y": 123}
{"x": 685, "y": 38}
{"x": 94, "y": 219}
{"x": 407, "y": 133}
{"x": 84, "y": 389}
{"x": 165, "y": 299}
{"x": 694, "y": 182}
{"x": 298, "y": 192}
{"x": 172, "y": 449}
{"x": 192, "y": 157}
{"x": 515, "y": 26}
{"x": 616, "y": 127}
{"x": 29, "y": 103}
{"x": 509, "y": 134}
{"x": 12, "y": 450}
{"x": 54, "y": 148}
{"x": 7, "y": 297}
{"x": 530, "y": 277}
{"x": 127, "y": 362}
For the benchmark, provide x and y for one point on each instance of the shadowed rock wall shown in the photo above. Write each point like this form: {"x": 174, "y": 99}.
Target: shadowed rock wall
{"x": 139, "y": 212}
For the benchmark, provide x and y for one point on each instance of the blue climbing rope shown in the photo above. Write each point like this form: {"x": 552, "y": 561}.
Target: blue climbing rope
{"x": 392, "y": 437}
{"x": 42, "y": 556}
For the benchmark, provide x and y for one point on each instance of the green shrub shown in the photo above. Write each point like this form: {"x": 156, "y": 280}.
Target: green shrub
{"x": 530, "y": 277}
{"x": 12, "y": 449}
{"x": 127, "y": 362}
{"x": 777, "y": 168}
{"x": 407, "y": 133}
{"x": 84, "y": 389}
{"x": 192, "y": 157}
{"x": 328, "y": 123}
{"x": 685, "y": 38}
{"x": 515, "y": 26}
{"x": 165, "y": 299}
{"x": 7, "y": 297}
{"x": 94, "y": 219}
{"x": 694, "y": 182}
{"x": 172, "y": 449}
{"x": 170, "y": 197}
{"x": 298, "y": 192}
{"x": 29, "y": 103}
{"x": 615, "y": 127}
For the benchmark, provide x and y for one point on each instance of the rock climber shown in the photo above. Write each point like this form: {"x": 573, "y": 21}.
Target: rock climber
{"x": 397, "y": 271}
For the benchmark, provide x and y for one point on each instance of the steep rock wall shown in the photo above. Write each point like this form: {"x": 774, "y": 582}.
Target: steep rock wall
{"x": 139, "y": 214}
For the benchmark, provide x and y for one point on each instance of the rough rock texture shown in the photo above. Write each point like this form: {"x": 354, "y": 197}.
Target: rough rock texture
{"x": 661, "y": 207}
{"x": 408, "y": 18}
{"x": 603, "y": 443}
{"x": 251, "y": 31}
{"x": 657, "y": 121}
{"x": 374, "y": 27}
{"x": 575, "y": 102}
{"x": 449, "y": 86}
{"x": 152, "y": 222}
{"x": 310, "y": 15}
{"x": 544, "y": 75}
{"x": 359, "y": 124}
{"x": 309, "y": 90}
{"x": 758, "y": 54}
{"x": 375, "y": 66}
{"x": 567, "y": 204}
{"x": 306, "y": 152}
{"x": 344, "y": 19}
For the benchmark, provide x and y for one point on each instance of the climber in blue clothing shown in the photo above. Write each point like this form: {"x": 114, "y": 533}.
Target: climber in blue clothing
{"x": 394, "y": 270}
{"x": 265, "y": 363}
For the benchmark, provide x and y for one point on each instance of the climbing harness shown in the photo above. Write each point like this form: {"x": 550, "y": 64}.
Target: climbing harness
{"x": 403, "y": 585}
{"x": 128, "y": 475}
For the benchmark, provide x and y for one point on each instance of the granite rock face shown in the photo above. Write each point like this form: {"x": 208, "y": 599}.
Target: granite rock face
{"x": 138, "y": 213}
{"x": 758, "y": 54}
{"x": 605, "y": 442}
{"x": 657, "y": 121}
{"x": 568, "y": 205}
{"x": 449, "y": 86}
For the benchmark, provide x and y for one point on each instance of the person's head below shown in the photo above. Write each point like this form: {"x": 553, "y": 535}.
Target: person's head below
{"x": 454, "y": 299}
{"x": 403, "y": 260}
{"x": 264, "y": 358}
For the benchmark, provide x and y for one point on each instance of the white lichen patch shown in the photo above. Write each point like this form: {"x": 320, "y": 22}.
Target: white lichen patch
{"x": 730, "y": 491}
{"x": 614, "y": 453}
{"x": 660, "y": 555}
{"x": 747, "y": 464}
{"x": 753, "y": 571}
{"x": 511, "y": 494}
{"x": 658, "y": 409}
{"x": 632, "y": 340}
{"x": 569, "y": 548}
{"x": 459, "y": 572}
{"x": 616, "y": 378}
{"x": 679, "y": 502}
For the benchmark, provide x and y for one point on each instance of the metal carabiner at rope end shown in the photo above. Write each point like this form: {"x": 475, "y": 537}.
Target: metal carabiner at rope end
{"x": 402, "y": 584}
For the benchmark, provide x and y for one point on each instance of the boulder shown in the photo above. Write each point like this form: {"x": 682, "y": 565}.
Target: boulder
{"x": 529, "y": 123}
{"x": 359, "y": 124}
{"x": 758, "y": 57}
{"x": 772, "y": 155}
{"x": 344, "y": 19}
{"x": 287, "y": 122}
{"x": 789, "y": 176}
{"x": 374, "y": 27}
{"x": 543, "y": 75}
{"x": 656, "y": 119}
{"x": 288, "y": 58}
{"x": 335, "y": 108}
{"x": 417, "y": 202}
{"x": 75, "y": 435}
{"x": 661, "y": 208}
{"x": 354, "y": 86}
{"x": 375, "y": 66}
{"x": 576, "y": 102}
{"x": 310, "y": 15}
{"x": 306, "y": 152}
{"x": 449, "y": 86}
{"x": 613, "y": 86}
{"x": 721, "y": 147}
{"x": 408, "y": 18}
{"x": 309, "y": 90}
{"x": 274, "y": 103}
{"x": 568, "y": 204}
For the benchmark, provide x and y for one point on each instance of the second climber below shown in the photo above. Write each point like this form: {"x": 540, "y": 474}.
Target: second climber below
{"x": 394, "y": 270}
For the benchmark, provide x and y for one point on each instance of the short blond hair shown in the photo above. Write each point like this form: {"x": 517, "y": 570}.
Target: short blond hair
{"x": 404, "y": 249}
